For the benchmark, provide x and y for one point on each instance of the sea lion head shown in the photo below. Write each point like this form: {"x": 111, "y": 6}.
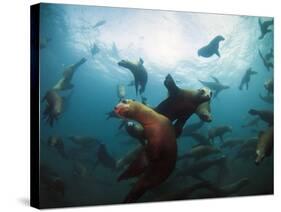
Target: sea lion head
{"x": 125, "y": 64}
{"x": 126, "y": 108}
{"x": 219, "y": 38}
{"x": 204, "y": 94}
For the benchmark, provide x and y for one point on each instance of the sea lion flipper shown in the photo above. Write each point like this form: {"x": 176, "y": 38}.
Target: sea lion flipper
{"x": 136, "y": 167}
{"x": 171, "y": 85}
{"x": 217, "y": 53}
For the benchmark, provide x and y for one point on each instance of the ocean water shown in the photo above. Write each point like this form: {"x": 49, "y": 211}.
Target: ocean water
{"x": 168, "y": 42}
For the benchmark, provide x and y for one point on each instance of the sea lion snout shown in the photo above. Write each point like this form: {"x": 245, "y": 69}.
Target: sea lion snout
{"x": 121, "y": 108}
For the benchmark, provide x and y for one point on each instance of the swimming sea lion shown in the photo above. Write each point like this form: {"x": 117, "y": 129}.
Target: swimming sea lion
{"x": 158, "y": 159}
{"x": 65, "y": 82}
{"x": 181, "y": 103}
{"x": 85, "y": 141}
{"x": 232, "y": 142}
{"x": 252, "y": 123}
{"x": 215, "y": 86}
{"x": 246, "y": 78}
{"x": 190, "y": 128}
{"x": 200, "y": 151}
{"x": 212, "y": 48}
{"x": 267, "y": 99}
{"x": 139, "y": 72}
{"x": 265, "y": 145}
{"x": 57, "y": 142}
{"x": 218, "y": 132}
{"x": 269, "y": 86}
{"x": 54, "y": 106}
{"x": 264, "y": 27}
{"x": 268, "y": 64}
{"x": 265, "y": 115}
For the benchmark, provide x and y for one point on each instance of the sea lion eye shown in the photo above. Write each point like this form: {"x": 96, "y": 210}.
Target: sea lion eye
{"x": 124, "y": 101}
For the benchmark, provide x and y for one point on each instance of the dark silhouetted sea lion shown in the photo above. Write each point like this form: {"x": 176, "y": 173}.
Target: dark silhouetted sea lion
{"x": 181, "y": 103}
{"x": 268, "y": 64}
{"x": 65, "y": 82}
{"x": 264, "y": 27}
{"x": 232, "y": 142}
{"x": 57, "y": 142}
{"x": 246, "y": 78}
{"x": 212, "y": 48}
{"x": 199, "y": 152}
{"x": 54, "y": 106}
{"x": 265, "y": 115}
{"x": 200, "y": 138}
{"x": 252, "y": 123}
{"x": 215, "y": 86}
{"x": 267, "y": 99}
{"x": 269, "y": 86}
{"x": 85, "y": 141}
{"x": 218, "y": 132}
{"x": 158, "y": 159}
{"x": 265, "y": 145}
{"x": 139, "y": 72}
{"x": 190, "y": 128}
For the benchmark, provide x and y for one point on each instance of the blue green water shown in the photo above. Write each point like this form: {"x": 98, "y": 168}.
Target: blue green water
{"x": 168, "y": 43}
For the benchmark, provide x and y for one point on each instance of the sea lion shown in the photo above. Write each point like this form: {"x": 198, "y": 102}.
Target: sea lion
{"x": 203, "y": 111}
{"x": 85, "y": 141}
{"x": 267, "y": 63}
{"x": 158, "y": 159}
{"x": 104, "y": 158}
{"x": 264, "y": 27}
{"x": 136, "y": 130}
{"x": 196, "y": 168}
{"x": 267, "y": 99}
{"x": 181, "y": 103}
{"x": 218, "y": 132}
{"x": 139, "y": 72}
{"x": 246, "y": 78}
{"x": 54, "y": 106}
{"x": 129, "y": 157}
{"x": 265, "y": 115}
{"x": 269, "y": 86}
{"x": 65, "y": 82}
{"x": 252, "y": 123}
{"x": 190, "y": 128}
{"x": 200, "y": 138}
{"x": 265, "y": 145}
{"x": 199, "y": 152}
{"x": 232, "y": 142}
{"x": 212, "y": 48}
{"x": 57, "y": 142}
{"x": 44, "y": 42}
{"x": 121, "y": 92}
{"x": 215, "y": 86}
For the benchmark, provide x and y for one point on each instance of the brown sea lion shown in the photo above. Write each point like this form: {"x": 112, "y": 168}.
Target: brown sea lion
{"x": 181, "y": 103}
{"x": 218, "y": 132}
{"x": 158, "y": 159}
{"x": 54, "y": 107}
{"x": 65, "y": 82}
{"x": 265, "y": 115}
{"x": 246, "y": 78}
{"x": 265, "y": 145}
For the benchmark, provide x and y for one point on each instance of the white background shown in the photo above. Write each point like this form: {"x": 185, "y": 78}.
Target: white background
{"x": 14, "y": 104}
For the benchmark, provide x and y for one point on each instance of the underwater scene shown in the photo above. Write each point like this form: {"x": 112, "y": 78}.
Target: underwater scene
{"x": 147, "y": 105}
